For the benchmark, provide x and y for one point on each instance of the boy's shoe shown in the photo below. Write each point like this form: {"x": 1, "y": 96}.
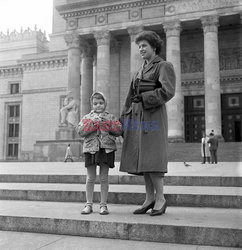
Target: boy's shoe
{"x": 104, "y": 210}
{"x": 87, "y": 209}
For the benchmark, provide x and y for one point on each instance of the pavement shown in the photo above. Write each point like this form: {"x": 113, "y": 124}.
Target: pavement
{"x": 33, "y": 241}
{"x": 77, "y": 168}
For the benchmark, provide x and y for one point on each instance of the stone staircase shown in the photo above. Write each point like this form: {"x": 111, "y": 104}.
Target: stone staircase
{"x": 204, "y": 203}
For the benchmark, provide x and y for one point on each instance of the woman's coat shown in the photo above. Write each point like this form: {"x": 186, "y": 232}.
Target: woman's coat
{"x": 145, "y": 124}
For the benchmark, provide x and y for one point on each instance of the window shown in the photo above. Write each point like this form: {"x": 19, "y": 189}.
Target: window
{"x": 14, "y": 111}
{"x": 233, "y": 101}
{"x": 198, "y": 103}
{"x": 13, "y": 150}
{"x": 13, "y": 130}
{"x": 14, "y": 88}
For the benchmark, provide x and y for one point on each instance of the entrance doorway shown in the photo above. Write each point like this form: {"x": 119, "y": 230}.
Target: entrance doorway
{"x": 237, "y": 130}
{"x": 232, "y": 117}
{"x": 194, "y": 118}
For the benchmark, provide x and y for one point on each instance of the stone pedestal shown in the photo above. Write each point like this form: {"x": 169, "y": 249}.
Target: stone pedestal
{"x": 66, "y": 133}
{"x": 55, "y": 150}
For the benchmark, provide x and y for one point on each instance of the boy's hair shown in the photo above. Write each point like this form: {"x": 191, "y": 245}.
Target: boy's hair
{"x": 97, "y": 96}
{"x": 69, "y": 145}
{"x": 152, "y": 38}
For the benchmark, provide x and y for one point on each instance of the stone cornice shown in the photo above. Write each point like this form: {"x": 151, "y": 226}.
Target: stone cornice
{"x": 11, "y": 70}
{"x": 85, "y": 8}
{"x": 44, "y": 64}
{"x": 34, "y": 64}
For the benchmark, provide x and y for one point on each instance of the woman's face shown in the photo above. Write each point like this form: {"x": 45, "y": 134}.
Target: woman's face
{"x": 145, "y": 50}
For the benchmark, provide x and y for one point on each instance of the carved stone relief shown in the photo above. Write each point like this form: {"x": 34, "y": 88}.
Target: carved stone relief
{"x": 229, "y": 59}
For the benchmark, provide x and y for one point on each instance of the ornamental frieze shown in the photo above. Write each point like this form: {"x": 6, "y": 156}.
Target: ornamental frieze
{"x": 229, "y": 59}
{"x": 198, "y": 5}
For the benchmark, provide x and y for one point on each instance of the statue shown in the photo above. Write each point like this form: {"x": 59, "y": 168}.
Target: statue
{"x": 69, "y": 111}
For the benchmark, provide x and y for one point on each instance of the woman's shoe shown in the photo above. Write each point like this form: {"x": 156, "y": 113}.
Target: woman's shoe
{"x": 161, "y": 211}
{"x": 104, "y": 210}
{"x": 87, "y": 209}
{"x": 143, "y": 210}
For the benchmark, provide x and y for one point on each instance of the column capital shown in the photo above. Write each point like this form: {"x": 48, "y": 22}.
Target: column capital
{"x": 134, "y": 30}
{"x": 87, "y": 48}
{"x": 210, "y": 23}
{"x": 102, "y": 37}
{"x": 172, "y": 28}
{"x": 72, "y": 40}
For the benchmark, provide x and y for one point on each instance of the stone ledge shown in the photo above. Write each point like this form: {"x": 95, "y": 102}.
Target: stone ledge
{"x": 213, "y": 227}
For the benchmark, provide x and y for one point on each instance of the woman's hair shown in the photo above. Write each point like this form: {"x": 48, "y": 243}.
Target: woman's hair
{"x": 152, "y": 38}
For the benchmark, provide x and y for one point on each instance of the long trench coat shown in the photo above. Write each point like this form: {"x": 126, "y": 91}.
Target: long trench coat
{"x": 145, "y": 124}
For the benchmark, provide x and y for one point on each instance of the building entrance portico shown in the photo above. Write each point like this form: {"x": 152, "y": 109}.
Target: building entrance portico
{"x": 92, "y": 48}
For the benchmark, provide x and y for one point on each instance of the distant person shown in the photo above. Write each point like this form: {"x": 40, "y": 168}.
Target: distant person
{"x": 213, "y": 141}
{"x": 205, "y": 148}
{"x": 99, "y": 130}
{"x": 68, "y": 155}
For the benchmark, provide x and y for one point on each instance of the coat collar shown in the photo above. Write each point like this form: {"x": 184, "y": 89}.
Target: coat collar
{"x": 156, "y": 59}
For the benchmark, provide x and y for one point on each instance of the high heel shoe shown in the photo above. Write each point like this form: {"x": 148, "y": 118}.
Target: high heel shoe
{"x": 161, "y": 211}
{"x": 143, "y": 210}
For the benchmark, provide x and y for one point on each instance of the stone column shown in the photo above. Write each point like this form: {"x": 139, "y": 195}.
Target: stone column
{"x": 115, "y": 77}
{"x": 135, "y": 58}
{"x": 175, "y": 106}
{"x": 211, "y": 75}
{"x": 73, "y": 71}
{"x": 87, "y": 76}
{"x": 103, "y": 61}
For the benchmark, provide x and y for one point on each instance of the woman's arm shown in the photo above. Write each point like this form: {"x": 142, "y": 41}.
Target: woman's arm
{"x": 159, "y": 96}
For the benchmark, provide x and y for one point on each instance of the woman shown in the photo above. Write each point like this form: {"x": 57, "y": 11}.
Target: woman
{"x": 144, "y": 118}
{"x": 205, "y": 148}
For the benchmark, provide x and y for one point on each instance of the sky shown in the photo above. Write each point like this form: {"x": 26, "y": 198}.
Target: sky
{"x": 15, "y": 14}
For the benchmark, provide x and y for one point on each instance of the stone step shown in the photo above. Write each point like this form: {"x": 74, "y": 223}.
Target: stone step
{"x": 180, "y": 225}
{"x": 224, "y": 197}
{"x": 223, "y": 181}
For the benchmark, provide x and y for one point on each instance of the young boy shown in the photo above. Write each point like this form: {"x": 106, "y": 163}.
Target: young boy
{"x": 99, "y": 130}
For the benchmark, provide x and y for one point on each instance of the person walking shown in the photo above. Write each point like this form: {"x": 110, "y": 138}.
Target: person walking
{"x": 213, "y": 141}
{"x": 99, "y": 130}
{"x": 68, "y": 155}
{"x": 145, "y": 124}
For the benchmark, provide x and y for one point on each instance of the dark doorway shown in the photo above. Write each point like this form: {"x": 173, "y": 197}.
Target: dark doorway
{"x": 194, "y": 118}
{"x": 232, "y": 117}
{"x": 237, "y": 130}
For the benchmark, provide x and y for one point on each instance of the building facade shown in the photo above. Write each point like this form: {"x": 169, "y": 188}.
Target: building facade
{"x": 92, "y": 48}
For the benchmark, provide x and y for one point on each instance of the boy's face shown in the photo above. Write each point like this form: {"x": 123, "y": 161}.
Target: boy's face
{"x": 98, "y": 105}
